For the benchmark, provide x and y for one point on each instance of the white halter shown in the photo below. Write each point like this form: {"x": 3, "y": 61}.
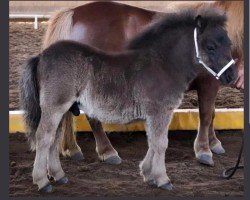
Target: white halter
{"x": 216, "y": 75}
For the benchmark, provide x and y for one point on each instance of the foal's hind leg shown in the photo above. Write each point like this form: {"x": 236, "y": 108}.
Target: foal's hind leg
{"x": 54, "y": 166}
{"x": 68, "y": 143}
{"x": 153, "y": 167}
{"x": 206, "y": 96}
{"x": 45, "y": 136}
{"x": 104, "y": 148}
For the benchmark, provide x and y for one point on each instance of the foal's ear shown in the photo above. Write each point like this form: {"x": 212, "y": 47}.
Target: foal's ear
{"x": 200, "y": 24}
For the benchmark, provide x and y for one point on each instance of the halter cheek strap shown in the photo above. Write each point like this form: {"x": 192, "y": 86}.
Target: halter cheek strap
{"x": 216, "y": 75}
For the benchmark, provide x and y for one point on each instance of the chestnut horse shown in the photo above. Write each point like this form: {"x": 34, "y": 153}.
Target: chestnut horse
{"x": 107, "y": 26}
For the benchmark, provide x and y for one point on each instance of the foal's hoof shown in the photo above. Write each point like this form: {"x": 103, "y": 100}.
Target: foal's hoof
{"x": 113, "y": 160}
{"x": 206, "y": 160}
{"x": 77, "y": 156}
{"x": 166, "y": 186}
{"x": 151, "y": 183}
{"x": 46, "y": 189}
{"x": 218, "y": 149}
{"x": 63, "y": 180}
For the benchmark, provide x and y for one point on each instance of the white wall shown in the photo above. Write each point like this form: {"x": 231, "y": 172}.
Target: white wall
{"x": 47, "y": 7}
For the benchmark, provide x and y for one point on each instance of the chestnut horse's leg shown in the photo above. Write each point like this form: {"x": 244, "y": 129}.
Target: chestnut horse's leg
{"x": 104, "y": 148}
{"x": 206, "y": 96}
{"x": 68, "y": 144}
{"x": 214, "y": 142}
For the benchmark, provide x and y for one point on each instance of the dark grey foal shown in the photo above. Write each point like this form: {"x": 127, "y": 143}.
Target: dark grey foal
{"x": 146, "y": 83}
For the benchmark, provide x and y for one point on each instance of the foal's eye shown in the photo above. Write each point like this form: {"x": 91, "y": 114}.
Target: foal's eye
{"x": 210, "y": 47}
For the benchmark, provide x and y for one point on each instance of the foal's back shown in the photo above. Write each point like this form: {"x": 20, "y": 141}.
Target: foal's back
{"x": 77, "y": 63}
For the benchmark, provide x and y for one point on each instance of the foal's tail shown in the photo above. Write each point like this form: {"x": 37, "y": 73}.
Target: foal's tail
{"x": 59, "y": 28}
{"x": 29, "y": 98}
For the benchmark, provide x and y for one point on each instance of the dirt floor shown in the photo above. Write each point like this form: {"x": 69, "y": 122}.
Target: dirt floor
{"x": 93, "y": 178}
{"x": 25, "y": 41}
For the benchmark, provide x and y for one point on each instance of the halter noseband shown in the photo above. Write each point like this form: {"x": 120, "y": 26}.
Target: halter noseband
{"x": 216, "y": 75}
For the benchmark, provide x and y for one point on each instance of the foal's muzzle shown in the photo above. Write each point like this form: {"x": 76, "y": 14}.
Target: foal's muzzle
{"x": 216, "y": 75}
{"x": 229, "y": 75}
{"x": 229, "y": 64}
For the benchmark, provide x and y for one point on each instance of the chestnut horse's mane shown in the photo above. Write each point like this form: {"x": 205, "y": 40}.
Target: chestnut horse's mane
{"x": 235, "y": 24}
{"x": 176, "y": 20}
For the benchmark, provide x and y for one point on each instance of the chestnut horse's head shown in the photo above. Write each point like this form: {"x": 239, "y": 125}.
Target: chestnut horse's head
{"x": 213, "y": 49}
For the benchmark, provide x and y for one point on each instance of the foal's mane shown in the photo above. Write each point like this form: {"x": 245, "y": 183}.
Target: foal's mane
{"x": 178, "y": 20}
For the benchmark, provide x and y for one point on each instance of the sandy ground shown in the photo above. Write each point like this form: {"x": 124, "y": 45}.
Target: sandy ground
{"x": 25, "y": 41}
{"x": 93, "y": 178}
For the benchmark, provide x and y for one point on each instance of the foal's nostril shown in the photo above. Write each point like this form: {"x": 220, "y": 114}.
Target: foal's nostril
{"x": 229, "y": 77}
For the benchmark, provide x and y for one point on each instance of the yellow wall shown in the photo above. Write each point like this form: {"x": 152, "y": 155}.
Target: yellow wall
{"x": 186, "y": 119}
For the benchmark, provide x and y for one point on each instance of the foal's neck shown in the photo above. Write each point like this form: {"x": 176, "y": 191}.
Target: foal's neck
{"x": 176, "y": 49}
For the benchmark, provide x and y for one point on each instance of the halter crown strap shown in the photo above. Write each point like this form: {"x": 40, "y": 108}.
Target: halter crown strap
{"x": 216, "y": 75}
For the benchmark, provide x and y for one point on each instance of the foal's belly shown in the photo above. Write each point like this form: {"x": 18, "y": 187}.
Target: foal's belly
{"x": 109, "y": 110}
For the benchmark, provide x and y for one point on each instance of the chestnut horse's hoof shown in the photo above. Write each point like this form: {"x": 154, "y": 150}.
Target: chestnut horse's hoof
{"x": 166, "y": 186}
{"x": 77, "y": 156}
{"x": 205, "y": 159}
{"x": 218, "y": 149}
{"x": 63, "y": 180}
{"x": 46, "y": 189}
{"x": 113, "y": 160}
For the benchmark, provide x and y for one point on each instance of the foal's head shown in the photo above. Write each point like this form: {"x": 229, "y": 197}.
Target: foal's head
{"x": 214, "y": 47}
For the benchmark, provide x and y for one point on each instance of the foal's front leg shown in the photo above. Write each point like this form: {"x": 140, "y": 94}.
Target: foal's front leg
{"x": 153, "y": 167}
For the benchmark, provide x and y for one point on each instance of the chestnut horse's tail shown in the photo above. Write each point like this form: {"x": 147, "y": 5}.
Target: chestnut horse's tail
{"x": 59, "y": 28}
{"x": 29, "y": 98}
